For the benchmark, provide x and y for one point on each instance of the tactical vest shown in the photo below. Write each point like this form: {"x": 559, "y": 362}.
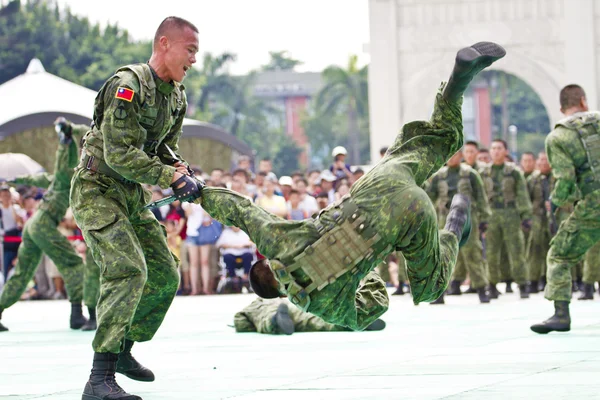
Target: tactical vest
{"x": 463, "y": 187}
{"x": 149, "y": 110}
{"x": 536, "y": 192}
{"x": 588, "y": 128}
{"x": 508, "y": 185}
{"x": 341, "y": 248}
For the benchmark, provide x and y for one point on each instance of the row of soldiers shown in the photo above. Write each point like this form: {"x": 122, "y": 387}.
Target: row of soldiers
{"x": 512, "y": 223}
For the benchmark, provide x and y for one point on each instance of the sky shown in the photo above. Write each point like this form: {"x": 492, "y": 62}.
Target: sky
{"x": 318, "y": 32}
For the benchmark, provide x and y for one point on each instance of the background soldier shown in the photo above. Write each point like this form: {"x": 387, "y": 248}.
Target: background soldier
{"x": 511, "y": 215}
{"x": 539, "y": 184}
{"x": 574, "y": 155}
{"x": 40, "y": 233}
{"x": 460, "y": 178}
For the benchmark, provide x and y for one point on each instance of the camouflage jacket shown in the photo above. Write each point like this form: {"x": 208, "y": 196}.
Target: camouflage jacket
{"x": 571, "y": 160}
{"x": 136, "y": 115}
{"x": 539, "y": 187}
{"x": 506, "y": 188}
{"x": 465, "y": 180}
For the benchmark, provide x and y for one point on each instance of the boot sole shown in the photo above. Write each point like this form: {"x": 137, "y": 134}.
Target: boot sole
{"x": 377, "y": 325}
{"x": 483, "y": 52}
{"x": 92, "y": 397}
{"x": 136, "y": 378}
{"x": 542, "y": 330}
{"x": 283, "y": 320}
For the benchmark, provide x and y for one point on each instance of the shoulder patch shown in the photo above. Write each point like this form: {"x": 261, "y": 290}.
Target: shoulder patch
{"x": 124, "y": 94}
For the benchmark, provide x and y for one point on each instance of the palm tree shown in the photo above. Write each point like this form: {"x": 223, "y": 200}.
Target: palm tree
{"x": 346, "y": 90}
{"x": 215, "y": 76}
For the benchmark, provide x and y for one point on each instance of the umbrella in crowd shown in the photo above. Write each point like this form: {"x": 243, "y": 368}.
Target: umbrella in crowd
{"x": 16, "y": 164}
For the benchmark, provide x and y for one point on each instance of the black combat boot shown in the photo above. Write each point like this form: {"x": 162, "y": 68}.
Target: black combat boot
{"x": 534, "y": 287}
{"x": 483, "y": 295}
{"x": 91, "y": 324}
{"x": 459, "y": 218}
{"x": 469, "y": 62}
{"x": 454, "y": 289}
{"x": 130, "y": 367}
{"x": 282, "y": 322}
{"x": 376, "y": 325}
{"x": 77, "y": 318}
{"x": 399, "y": 290}
{"x": 542, "y": 283}
{"x": 524, "y": 291}
{"x": 509, "y": 288}
{"x": 559, "y": 322}
{"x": 102, "y": 384}
{"x": 494, "y": 293}
{"x": 2, "y": 327}
{"x": 588, "y": 292}
{"x": 440, "y": 300}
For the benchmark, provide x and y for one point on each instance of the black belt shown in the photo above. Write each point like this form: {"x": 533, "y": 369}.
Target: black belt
{"x": 91, "y": 163}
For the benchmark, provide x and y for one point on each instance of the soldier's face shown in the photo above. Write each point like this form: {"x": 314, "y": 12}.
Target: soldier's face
{"x": 470, "y": 154}
{"x": 527, "y": 163}
{"x": 498, "y": 153}
{"x": 543, "y": 165}
{"x": 180, "y": 53}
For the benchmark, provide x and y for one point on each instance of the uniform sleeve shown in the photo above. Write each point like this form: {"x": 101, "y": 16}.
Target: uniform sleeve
{"x": 482, "y": 205}
{"x": 523, "y": 201}
{"x": 41, "y": 180}
{"x": 172, "y": 139}
{"x": 124, "y": 136}
{"x": 563, "y": 169}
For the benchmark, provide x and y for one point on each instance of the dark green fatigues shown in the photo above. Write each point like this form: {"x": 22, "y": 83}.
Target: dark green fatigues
{"x": 40, "y": 233}
{"x": 394, "y": 207}
{"x": 125, "y": 148}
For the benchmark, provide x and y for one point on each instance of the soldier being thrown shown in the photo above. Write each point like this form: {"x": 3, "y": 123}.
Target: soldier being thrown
{"x": 319, "y": 263}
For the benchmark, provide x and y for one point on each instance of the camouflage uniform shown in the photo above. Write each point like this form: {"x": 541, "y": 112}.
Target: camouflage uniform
{"x": 538, "y": 241}
{"x": 40, "y": 233}
{"x": 509, "y": 200}
{"x": 258, "y": 317}
{"x": 136, "y": 116}
{"x": 385, "y": 211}
{"x": 91, "y": 280}
{"x": 574, "y": 154}
{"x": 465, "y": 180}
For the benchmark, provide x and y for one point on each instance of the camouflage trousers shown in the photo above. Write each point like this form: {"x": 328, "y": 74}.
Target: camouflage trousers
{"x": 258, "y": 317}
{"x": 591, "y": 266}
{"x": 40, "y": 235}
{"x": 91, "y": 280}
{"x": 505, "y": 230}
{"x": 537, "y": 247}
{"x": 138, "y": 273}
{"x": 575, "y": 236}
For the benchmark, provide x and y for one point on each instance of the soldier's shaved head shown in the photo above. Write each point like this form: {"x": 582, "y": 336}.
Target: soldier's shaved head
{"x": 171, "y": 24}
{"x": 572, "y": 99}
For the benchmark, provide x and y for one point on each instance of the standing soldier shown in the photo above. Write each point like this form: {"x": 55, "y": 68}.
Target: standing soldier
{"x": 573, "y": 149}
{"x": 138, "y": 118}
{"x": 460, "y": 178}
{"x": 40, "y": 234}
{"x": 511, "y": 215}
{"x": 539, "y": 184}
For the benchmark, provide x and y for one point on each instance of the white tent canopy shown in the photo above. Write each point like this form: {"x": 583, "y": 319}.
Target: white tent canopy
{"x": 35, "y": 98}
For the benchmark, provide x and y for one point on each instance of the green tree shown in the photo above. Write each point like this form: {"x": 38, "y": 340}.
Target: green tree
{"x": 281, "y": 60}
{"x": 346, "y": 91}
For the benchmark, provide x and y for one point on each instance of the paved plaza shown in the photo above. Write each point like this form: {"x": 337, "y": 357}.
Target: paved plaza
{"x": 461, "y": 350}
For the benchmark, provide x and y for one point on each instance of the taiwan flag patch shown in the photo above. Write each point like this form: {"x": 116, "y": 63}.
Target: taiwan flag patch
{"x": 124, "y": 94}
